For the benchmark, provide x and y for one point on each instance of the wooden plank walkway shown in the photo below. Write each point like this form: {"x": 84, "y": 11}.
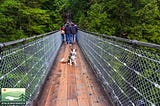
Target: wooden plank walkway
{"x": 70, "y": 85}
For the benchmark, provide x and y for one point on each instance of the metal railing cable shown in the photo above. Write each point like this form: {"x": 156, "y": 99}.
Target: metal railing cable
{"x": 25, "y": 63}
{"x": 129, "y": 70}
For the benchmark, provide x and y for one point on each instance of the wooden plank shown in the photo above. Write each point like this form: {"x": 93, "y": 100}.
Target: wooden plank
{"x": 82, "y": 91}
{"x": 72, "y": 102}
{"x": 93, "y": 95}
{"x": 85, "y": 78}
{"x": 72, "y": 94}
{"x": 62, "y": 93}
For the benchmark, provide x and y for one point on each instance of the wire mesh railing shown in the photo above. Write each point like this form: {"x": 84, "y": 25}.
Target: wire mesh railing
{"x": 25, "y": 63}
{"x": 128, "y": 70}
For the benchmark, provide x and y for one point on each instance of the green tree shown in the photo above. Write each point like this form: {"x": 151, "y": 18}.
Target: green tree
{"x": 147, "y": 28}
{"x": 9, "y": 20}
{"x": 99, "y": 22}
{"x": 23, "y": 18}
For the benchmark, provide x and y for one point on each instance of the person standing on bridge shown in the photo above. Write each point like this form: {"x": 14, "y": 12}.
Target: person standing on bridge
{"x": 76, "y": 31}
{"x": 68, "y": 33}
{"x": 73, "y": 31}
{"x": 62, "y": 33}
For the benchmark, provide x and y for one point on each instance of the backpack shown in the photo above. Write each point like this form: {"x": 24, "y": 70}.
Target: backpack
{"x": 73, "y": 29}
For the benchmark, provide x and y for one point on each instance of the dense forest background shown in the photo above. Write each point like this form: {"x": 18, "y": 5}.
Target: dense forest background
{"x": 132, "y": 19}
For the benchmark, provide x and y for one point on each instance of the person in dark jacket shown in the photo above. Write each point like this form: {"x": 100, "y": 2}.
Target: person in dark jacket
{"x": 73, "y": 32}
{"x": 68, "y": 33}
{"x": 76, "y": 32}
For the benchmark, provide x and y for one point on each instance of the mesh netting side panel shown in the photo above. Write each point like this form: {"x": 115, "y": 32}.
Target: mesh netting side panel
{"x": 130, "y": 73}
{"x": 26, "y": 65}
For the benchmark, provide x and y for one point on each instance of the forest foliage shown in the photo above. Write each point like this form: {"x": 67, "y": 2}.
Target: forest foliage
{"x": 23, "y": 18}
{"x": 132, "y": 19}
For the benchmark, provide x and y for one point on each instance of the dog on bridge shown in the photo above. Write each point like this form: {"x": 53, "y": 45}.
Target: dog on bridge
{"x": 72, "y": 57}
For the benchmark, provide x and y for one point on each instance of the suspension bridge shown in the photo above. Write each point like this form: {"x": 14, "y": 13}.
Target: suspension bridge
{"x": 110, "y": 71}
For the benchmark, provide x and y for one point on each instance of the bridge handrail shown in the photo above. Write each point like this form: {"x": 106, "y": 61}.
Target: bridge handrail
{"x": 134, "y": 42}
{"x": 4, "y": 44}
